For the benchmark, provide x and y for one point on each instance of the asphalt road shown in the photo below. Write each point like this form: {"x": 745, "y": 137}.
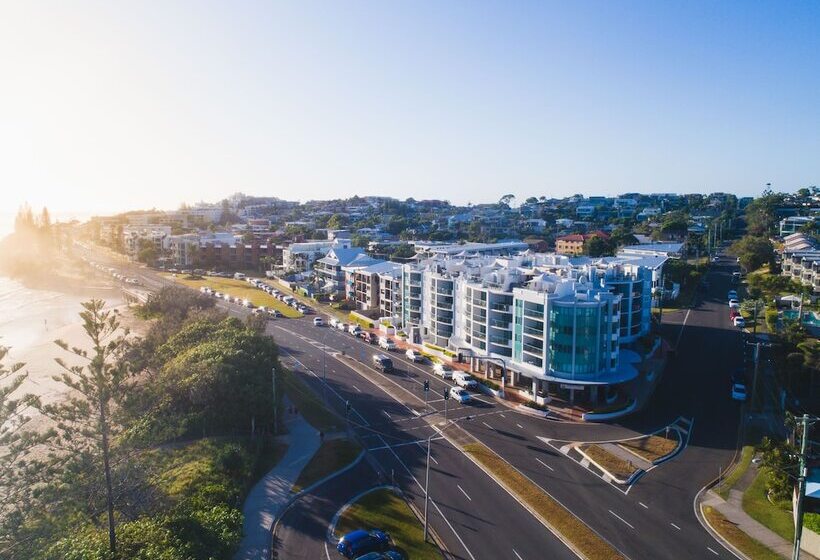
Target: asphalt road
{"x": 476, "y": 518}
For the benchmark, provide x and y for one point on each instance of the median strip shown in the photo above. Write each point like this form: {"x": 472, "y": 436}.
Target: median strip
{"x": 574, "y": 532}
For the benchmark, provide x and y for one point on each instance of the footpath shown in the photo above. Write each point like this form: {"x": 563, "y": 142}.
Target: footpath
{"x": 732, "y": 509}
{"x": 271, "y": 494}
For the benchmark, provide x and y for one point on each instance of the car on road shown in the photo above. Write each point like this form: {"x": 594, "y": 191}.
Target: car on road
{"x": 734, "y": 303}
{"x": 369, "y": 337}
{"x": 738, "y": 392}
{"x": 732, "y": 294}
{"x": 735, "y": 277}
{"x": 354, "y": 330}
{"x": 318, "y": 322}
{"x": 444, "y": 371}
{"x": 389, "y": 555}
{"x": 739, "y": 321}
{"x": 715, "y": 259}
{"x": 465, "y": 380}
{"x": 342, "y": 326}
{"x": 414, "y": 355}
{"x": 334, "y": 322}
{"x": 360, "y": 542}
{"x": 386, "y": 343}
{"x": 460, "y": 394}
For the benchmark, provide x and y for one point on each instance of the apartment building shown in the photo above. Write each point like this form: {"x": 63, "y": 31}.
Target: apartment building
{"x": 300, "y": 257}
{"x": 793, "y": 224}
{"x": 330, "y": 268}
{"x": 570, "y": 244}
{"x": 470, "y": 249}
{"x": 559, "y": 325}
{"x": 134, "y": 238}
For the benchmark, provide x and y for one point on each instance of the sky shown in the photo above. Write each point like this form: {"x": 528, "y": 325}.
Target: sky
{"x": 108, "y": 106}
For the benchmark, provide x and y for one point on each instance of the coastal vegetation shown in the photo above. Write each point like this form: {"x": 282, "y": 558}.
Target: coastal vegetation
{"x": 156, "y": 443}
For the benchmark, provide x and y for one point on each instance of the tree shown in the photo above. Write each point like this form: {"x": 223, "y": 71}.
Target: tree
{"x": 337, "y": 221}
{"x": 597, "y": 246}
{"x": 753, "y": 251}
{"x": 531, "y": 200}
{"x": 761, "y": 216}
{"x": 780, "y": 459}
{"x": 85, "y": 428}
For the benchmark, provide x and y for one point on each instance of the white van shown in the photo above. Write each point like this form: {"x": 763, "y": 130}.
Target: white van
{"x": 238, "y": 276}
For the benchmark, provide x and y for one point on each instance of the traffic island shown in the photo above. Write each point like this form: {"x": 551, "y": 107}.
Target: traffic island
{"x": 606, "y": 458}
{"x": 332, "y": 456}
{"x": 383, "y": 509}
{"x": 654, "y": 448}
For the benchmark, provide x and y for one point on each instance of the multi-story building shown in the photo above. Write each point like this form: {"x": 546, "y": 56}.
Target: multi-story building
{"x": 330, "y": 268}
{"x": 793, "y": 224}
{"x": 572, "y": 244}
{"x": 299, "y": 257}
{"x": 557, "y": 324}
{"x": 135, "y": 238}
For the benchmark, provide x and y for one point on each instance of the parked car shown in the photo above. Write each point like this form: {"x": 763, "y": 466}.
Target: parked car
{"x": 354, "y": 329}
{"x": 368, "y": 337}
{"x": 459, "y": 394}
{"x": 465, "y": 380}
{"x": 318, "y": 322}
{"x": 738, "y": 392}
{"x": 342, "y": 326}
{"x": 445, "y": 371}
{"x": 359, "y": 542}
{"x": 739, "y": 321}
{"x": 414, "y": 355}
{"x": 334, "y": 322}
{"x": 382, "y": 362}
{"x": 732, "y": 294}
{"x": 735, "y": 277}
{"x": 277, "y": 314}
{"x": 386, "y": 343}
{"x": 734, "y": 303}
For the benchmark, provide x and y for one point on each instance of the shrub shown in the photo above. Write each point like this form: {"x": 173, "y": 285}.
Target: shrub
{"x": 490, "y": 383}
{"x": 771, "y": 319}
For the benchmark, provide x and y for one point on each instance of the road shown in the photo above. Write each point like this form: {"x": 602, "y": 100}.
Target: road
{"x": 475, "y": 517}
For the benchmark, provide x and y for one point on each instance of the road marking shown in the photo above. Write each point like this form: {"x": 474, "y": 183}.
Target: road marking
{"x": 709, "y": 548}
{"x": 543, "y": 463}
{"x": 643, "y": 505}
{"x": 501, "y": 414}
{"x": 683, "y": 326}
{"x": 490, "y": 427}
{"x": 463, "y": 492}
{"x": 517, "y": 555}
{"x": 675, "y": 526}
{"x": 359, "y": 390}
{"x": 387, "y": 414}
{"x": 520, "y": 426}
{"x": 622, "y": 519}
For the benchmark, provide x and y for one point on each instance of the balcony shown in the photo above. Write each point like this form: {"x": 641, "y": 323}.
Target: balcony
{"x": 500, "y": 341}
{"x": 534, "y": 313}
{"x": 532, "y": 349}
{"x": 505, "y": 325}
{"x": 501, "y": 308}
{"x": 481, "y": 317}
{"x": 534, "y": 332}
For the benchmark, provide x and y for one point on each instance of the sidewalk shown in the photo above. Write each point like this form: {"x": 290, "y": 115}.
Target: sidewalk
{"x": 732, "y": 509}
{"x": 271, "y": 493}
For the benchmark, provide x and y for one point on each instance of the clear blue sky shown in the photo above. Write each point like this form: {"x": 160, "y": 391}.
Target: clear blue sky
{"x": 113, "y": 105}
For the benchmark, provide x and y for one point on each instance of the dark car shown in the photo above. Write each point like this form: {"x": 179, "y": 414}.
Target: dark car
{"x": 368, "y": 337}
{"x": 389, "y": 555}
{"x": 382, "y": 362}
{"x": 360, "y": 542}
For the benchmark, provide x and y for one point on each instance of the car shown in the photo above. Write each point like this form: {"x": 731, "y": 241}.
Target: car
{"x": 715, "y": 259}
{"x": 239, "y": 276}
{"x": 360, "y": 542}
{"x": 277, "y": 314}
{"x": 732, "y": 294}
{"x": 735, "y": 277}
{"x": 443, "y": 370}
{"x": 734, "y": 303}
{"x": 334, "y": 322}
{"x": 386, "y": 343}
{"x": 459, "y": 394}
{"x": 247, "y": 303}
{"x": 354, "y": 329}
{"x": 465, "y": 380}
{"x": 342, "y": 326}
{"x": 739, "y": 321}
{"x": 318, "y": 322}
{"x": 738, "y": 392}
{"x": 733, "y": 312}
{"x": 414, "y": 355}
{"x": 368, "y": 337}
{"x": 382, "y": 362}
{"x": 389, "y": 555}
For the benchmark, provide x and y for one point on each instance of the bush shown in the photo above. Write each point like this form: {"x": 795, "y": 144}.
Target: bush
{"x": 536, "y": 406}
{"x": 771, "y": 319}
{"x": 490, "y": 383}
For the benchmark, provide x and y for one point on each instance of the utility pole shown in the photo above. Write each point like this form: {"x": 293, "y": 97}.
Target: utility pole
{"x": 427, "y": 486}
{"x": 660, "y": 301}
{"x": 801, "y": 485}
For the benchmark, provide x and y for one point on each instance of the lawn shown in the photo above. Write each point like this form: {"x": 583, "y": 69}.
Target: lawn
{"x": 776, "y": 517}
{"x": 237, "y": 288}
{"x": 582, "y": 537}
{"x": 651, "y": 448}
{"x": 737, "y": 473}
{"x": 610, "y": 462}
{"x": 310, "y": 405}
{"x": 384, "y": 510}
{"x": 746, "y": 544}
{"x": 333, "y": 455}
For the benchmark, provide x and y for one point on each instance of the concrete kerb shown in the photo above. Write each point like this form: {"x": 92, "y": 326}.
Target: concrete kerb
{"x": 701, "y": 517}
{"x": 295, "y": 498}
{"x": 635, "y": 474}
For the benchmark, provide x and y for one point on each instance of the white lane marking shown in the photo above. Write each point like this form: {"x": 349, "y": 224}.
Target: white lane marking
{"x": 463, "y": 492}
{"x": 327, "y": 552}
{"x": 520, "y": 426}
{"x": 683, "y": 326}
{"x": 543, "y": 463}
{"x": 643, "y": 505}
{"x": 387, "y": 414}
{"x": 517, "y": 555}
{"x": 625, "y": 522}
{"x": 709, "y": 548}
{"x": 501, "y": 414}
{"x": 359, "y": 390}
{"x": 675, "y": 526}
{"x": 490, "y": 427}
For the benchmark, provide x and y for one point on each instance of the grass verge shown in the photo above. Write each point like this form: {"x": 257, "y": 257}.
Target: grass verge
{"x": 581, "y": 536}
{"x": 756, "y": 503}
{"x": 651, "y": 448}
{"x": 737, "y": 473}
{"x": 384, "y": 510}
{"x": 614, "y": 465}
{"x": 743, "y": 542}
{"x": 240, "y": 289}
{"x": 309, "y": 405}
{"x": 333, "y": 455}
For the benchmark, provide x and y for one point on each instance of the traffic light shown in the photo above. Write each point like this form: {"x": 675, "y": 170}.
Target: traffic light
{"x": 426, "y": 385}
{"x": 446, "y": 394}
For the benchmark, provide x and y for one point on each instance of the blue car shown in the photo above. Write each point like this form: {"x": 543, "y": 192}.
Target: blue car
{"x": 360, "y": 542}
{"x": 389, "y": 555}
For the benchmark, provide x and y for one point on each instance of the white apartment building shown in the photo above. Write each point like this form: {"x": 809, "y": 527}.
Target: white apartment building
{"x": 557, "y": 324}
{"x": 299, "y": 257}
{"x": 134, "y": 238}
